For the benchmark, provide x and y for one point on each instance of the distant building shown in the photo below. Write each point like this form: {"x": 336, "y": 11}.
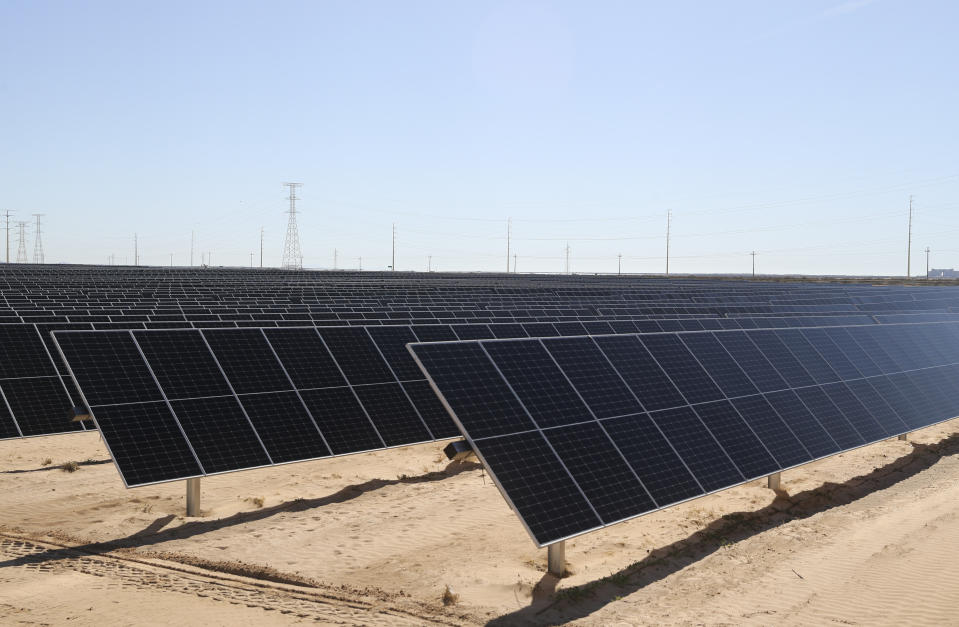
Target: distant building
{"x": 943, "y": 273}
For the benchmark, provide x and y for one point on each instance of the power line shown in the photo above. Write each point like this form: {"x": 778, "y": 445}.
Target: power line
{"x": 292, "y": 256}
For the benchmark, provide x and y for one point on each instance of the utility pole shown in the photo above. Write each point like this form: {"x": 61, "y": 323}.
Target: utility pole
{"x": 927, "y": 262}
{"x": 909, "y": 245}
{"x": 619, "y": 269}
{"x": 136, "y": 251}
{"x": 261, "y": 246}
{"x": 334, "y": 258}
{"x": 514, "y": 263}
{"x": 37, "y": 242}
{"x": 192, "y": 246}
{"x": 292, "y": 255}
{"x": 567, "y": 257}
{"x": 393, "y": 266}
{"x": 171, "y": 260}
{"x": 754, "y": 263}
{"x": 361, "y": 263}
{"x": 429, "y": 263}
{"x": 669, "y": 224}
{"x": 251, "y": 260}
{"x": 509, "y": 235}
{"x": 8, "y": 235}
{"x": 22, "y": 244}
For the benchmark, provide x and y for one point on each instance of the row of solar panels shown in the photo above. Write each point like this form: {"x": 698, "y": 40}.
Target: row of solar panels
{"x": 580, "y": 433}
{"x": 38, "y": 392}
{"x": 38, "y": 396}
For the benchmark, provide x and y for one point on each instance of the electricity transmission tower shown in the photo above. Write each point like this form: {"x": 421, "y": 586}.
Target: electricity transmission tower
{"x": 22, "y": 245}
{"x": 292, "y": 256}
{"x": 37, "y": 241}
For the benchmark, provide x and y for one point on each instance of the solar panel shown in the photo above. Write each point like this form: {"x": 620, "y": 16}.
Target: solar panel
{"x": 710, "y": 410}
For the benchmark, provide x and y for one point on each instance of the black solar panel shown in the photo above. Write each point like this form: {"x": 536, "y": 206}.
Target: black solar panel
{"x": 715, "y": 408}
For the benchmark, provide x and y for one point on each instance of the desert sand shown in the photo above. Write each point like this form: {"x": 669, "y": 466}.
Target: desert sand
{"x": 867, "y": 537}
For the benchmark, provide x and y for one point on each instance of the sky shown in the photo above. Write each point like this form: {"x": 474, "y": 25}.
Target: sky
{"x": 797, "y": 130}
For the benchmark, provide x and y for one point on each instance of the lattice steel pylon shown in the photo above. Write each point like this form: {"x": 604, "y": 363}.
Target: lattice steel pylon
{"x": 37, "y": 241}
{"x": 22, "y": 246}
{"x": 292, "y": 256}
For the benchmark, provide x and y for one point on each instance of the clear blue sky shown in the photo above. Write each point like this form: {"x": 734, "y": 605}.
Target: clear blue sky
{"x": 798, "y": 129}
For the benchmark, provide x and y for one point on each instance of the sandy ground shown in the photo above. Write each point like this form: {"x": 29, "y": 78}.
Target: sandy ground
{"x": 869, "y": 537}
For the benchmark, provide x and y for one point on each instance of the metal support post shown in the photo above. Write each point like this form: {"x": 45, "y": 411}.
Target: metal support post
{"x": 774, "y": 481}
{"x": 904, "y": 437}
{"x": 556, "y": 558}
{"x": 193, "y": 496}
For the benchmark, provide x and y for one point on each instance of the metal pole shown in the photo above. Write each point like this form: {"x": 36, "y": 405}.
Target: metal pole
{"x": 556, "y": 558}
{"x": 514, "y": 263}
{"x": 136, "y": 252}
{"x": 261, "y": 246}
{"x": 429, "y": 263}
{"x": 8, "y": 236}
{"x": 193, "y": 496}
{"x": 774, "y": 481}
{"x": 669, "y": 223}
{"x": 509, "y": 233}
{"x": 393, "y": 267}
{"x": 619, "y": 268}
{"x": 754, "y": 263}
{"x": 909, "y": 245}
{"x": 927, "y": 262}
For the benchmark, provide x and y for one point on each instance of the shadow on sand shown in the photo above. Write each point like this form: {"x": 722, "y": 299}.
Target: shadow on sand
{"x": 570, "y": 604}
{"x": 76, "y": 465}
{"x": 154, "y": 533}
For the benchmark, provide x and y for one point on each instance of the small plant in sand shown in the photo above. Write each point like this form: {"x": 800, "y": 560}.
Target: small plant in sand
{"x": 70, "y": 467}
{"x": 46, "y": 462}
{"x": 450, "y": 597}
{"x": 258, "y": 501}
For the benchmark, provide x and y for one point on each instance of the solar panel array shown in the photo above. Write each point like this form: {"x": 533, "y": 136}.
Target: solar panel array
{"x": 583, "y": 432}
{"x": 36, "y": 392}
{"x": 242, "y": 398}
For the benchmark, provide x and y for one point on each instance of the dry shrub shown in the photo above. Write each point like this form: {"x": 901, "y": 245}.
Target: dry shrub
{"x": 450, "y": 597}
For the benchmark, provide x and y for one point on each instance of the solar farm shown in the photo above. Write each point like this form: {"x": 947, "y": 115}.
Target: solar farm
{"x": 410, "y": 448}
